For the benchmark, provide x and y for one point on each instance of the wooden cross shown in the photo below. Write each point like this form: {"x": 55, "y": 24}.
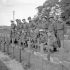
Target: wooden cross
{"x": 13, "y": 47}
{"x": 48, "y": 55}
{"x": 29, "y": 56}
{"x": 41, "y": 50}
{"x": 20, "y": 51}
{"x": 4, "y": 43}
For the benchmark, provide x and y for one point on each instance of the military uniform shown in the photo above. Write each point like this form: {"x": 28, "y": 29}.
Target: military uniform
{"x": 19, "y": 29}
{"x": 52, "y": 32}
{"x": 32, "y": 24}
{"x": 45, "y": 24}
{"x": 24, "y": 35}
{"x": 61, "y": 30}
{"x": 19, "y": 25}
{"x": 13, "y": 30}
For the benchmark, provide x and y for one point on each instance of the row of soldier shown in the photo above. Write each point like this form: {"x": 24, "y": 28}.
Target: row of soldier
{"x": 55, "y": 29}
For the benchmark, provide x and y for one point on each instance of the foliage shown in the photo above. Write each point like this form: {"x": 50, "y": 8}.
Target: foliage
{"x": 54, "y": 7}
{"x": 65, "y": 6}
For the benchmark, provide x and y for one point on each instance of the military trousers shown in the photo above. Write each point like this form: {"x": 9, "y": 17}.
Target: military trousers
{"x": 60, "y": 36}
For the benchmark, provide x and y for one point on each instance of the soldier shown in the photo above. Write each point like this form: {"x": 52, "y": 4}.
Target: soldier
{"x": 61, "y": 30}
{"x": 32, "y": 24}
{"x": 13, "y": 30}
{"x": 52, "y": 31}
{"x": 19, "y": 29}
{"x": 19, "y": 25}
{"x": 26, "y": 27}
{"x": 52, "y": 27}
{"x": 13, "y": 25}
{"x": 45, "y": 23}
{"x": 25, "y": 24}
{"x": 25, "y": 32}
{"x": 53, "y": 40}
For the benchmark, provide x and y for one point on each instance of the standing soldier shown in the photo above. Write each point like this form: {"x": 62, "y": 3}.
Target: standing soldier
{"x": 32, "y": 24}
{"x": 13, "y": 29}
{"x": 25, "y": 32}
{"x": 19, "y": 28}
{"x": 25, "y": 25}
{"x": 52, "y": 32}
{"x": 61, "y": 30}
{"x": 19, "y": 25}
{"x": 45, "y": 23}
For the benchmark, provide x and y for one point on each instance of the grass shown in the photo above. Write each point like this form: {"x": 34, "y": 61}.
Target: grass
{"x": 36, "y": 61}
{"x": 3, "y": 67}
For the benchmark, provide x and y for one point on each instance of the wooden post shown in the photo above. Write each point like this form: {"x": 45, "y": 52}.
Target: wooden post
{"x": 20, "y": 56}
{"x": 4, "y": 43}
{"x": 13, "y": 47}
{"x": 41, "y": 50}
{"x": 62, "y": 67}
{"x": 8, "y": 45}
{"x": 20, "y": 51}
{"x": 48, "y": 55}
{"x": 0, "y": 42}
{"x": 29, "y": 56}
{"x": 7, "y": 48}
{"x": 38, "y": 44}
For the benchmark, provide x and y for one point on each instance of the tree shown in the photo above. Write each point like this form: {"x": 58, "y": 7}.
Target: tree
{"x": 50, "y": 3}
{"x": 39, "y": 9}
{"x": 65, "y": 6}
{"x": 46, "y": 8}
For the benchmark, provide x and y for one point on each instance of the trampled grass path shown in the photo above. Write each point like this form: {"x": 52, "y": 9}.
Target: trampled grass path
{"x": 11, "y": 64}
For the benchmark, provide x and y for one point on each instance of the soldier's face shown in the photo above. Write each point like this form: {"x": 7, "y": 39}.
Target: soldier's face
{"x": 29, "y": 19}
{"x": 24, "y": 21}
{"x": 12, "y": 22}
{"x": 18, "y": 21}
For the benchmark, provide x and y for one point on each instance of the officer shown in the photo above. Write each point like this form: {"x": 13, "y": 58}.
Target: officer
{"x": 61, "y": 30}
{"x": 25, "y": 24}
{"x": 45, "y": 23}
{"x": 13, "y": 30}
{"x": 19, "y": 29}
{"x": 53, "y": 40}
{"x": 52, "y": 31}
{"x": 19, "y": 25}
{"x": 32, "y": 24}
{"x": 13, "y": 25}
{"x": 25, "y": 32}
{"x": 51, "y": 27}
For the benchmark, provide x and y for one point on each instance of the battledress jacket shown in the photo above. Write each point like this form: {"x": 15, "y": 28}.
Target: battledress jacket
{"x": 61, "y": 30}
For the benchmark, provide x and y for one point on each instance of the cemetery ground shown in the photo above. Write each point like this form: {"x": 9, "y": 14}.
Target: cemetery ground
{"x": 37, "y": 63}
{"x": 3, "y": 67}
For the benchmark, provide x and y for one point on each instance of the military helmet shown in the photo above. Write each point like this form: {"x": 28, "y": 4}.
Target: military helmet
{"x": 12, "y": 21}
{"x": 18, "y": 20}
{"x": 23, "y": 19}
{"x": 29, "y": 18}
